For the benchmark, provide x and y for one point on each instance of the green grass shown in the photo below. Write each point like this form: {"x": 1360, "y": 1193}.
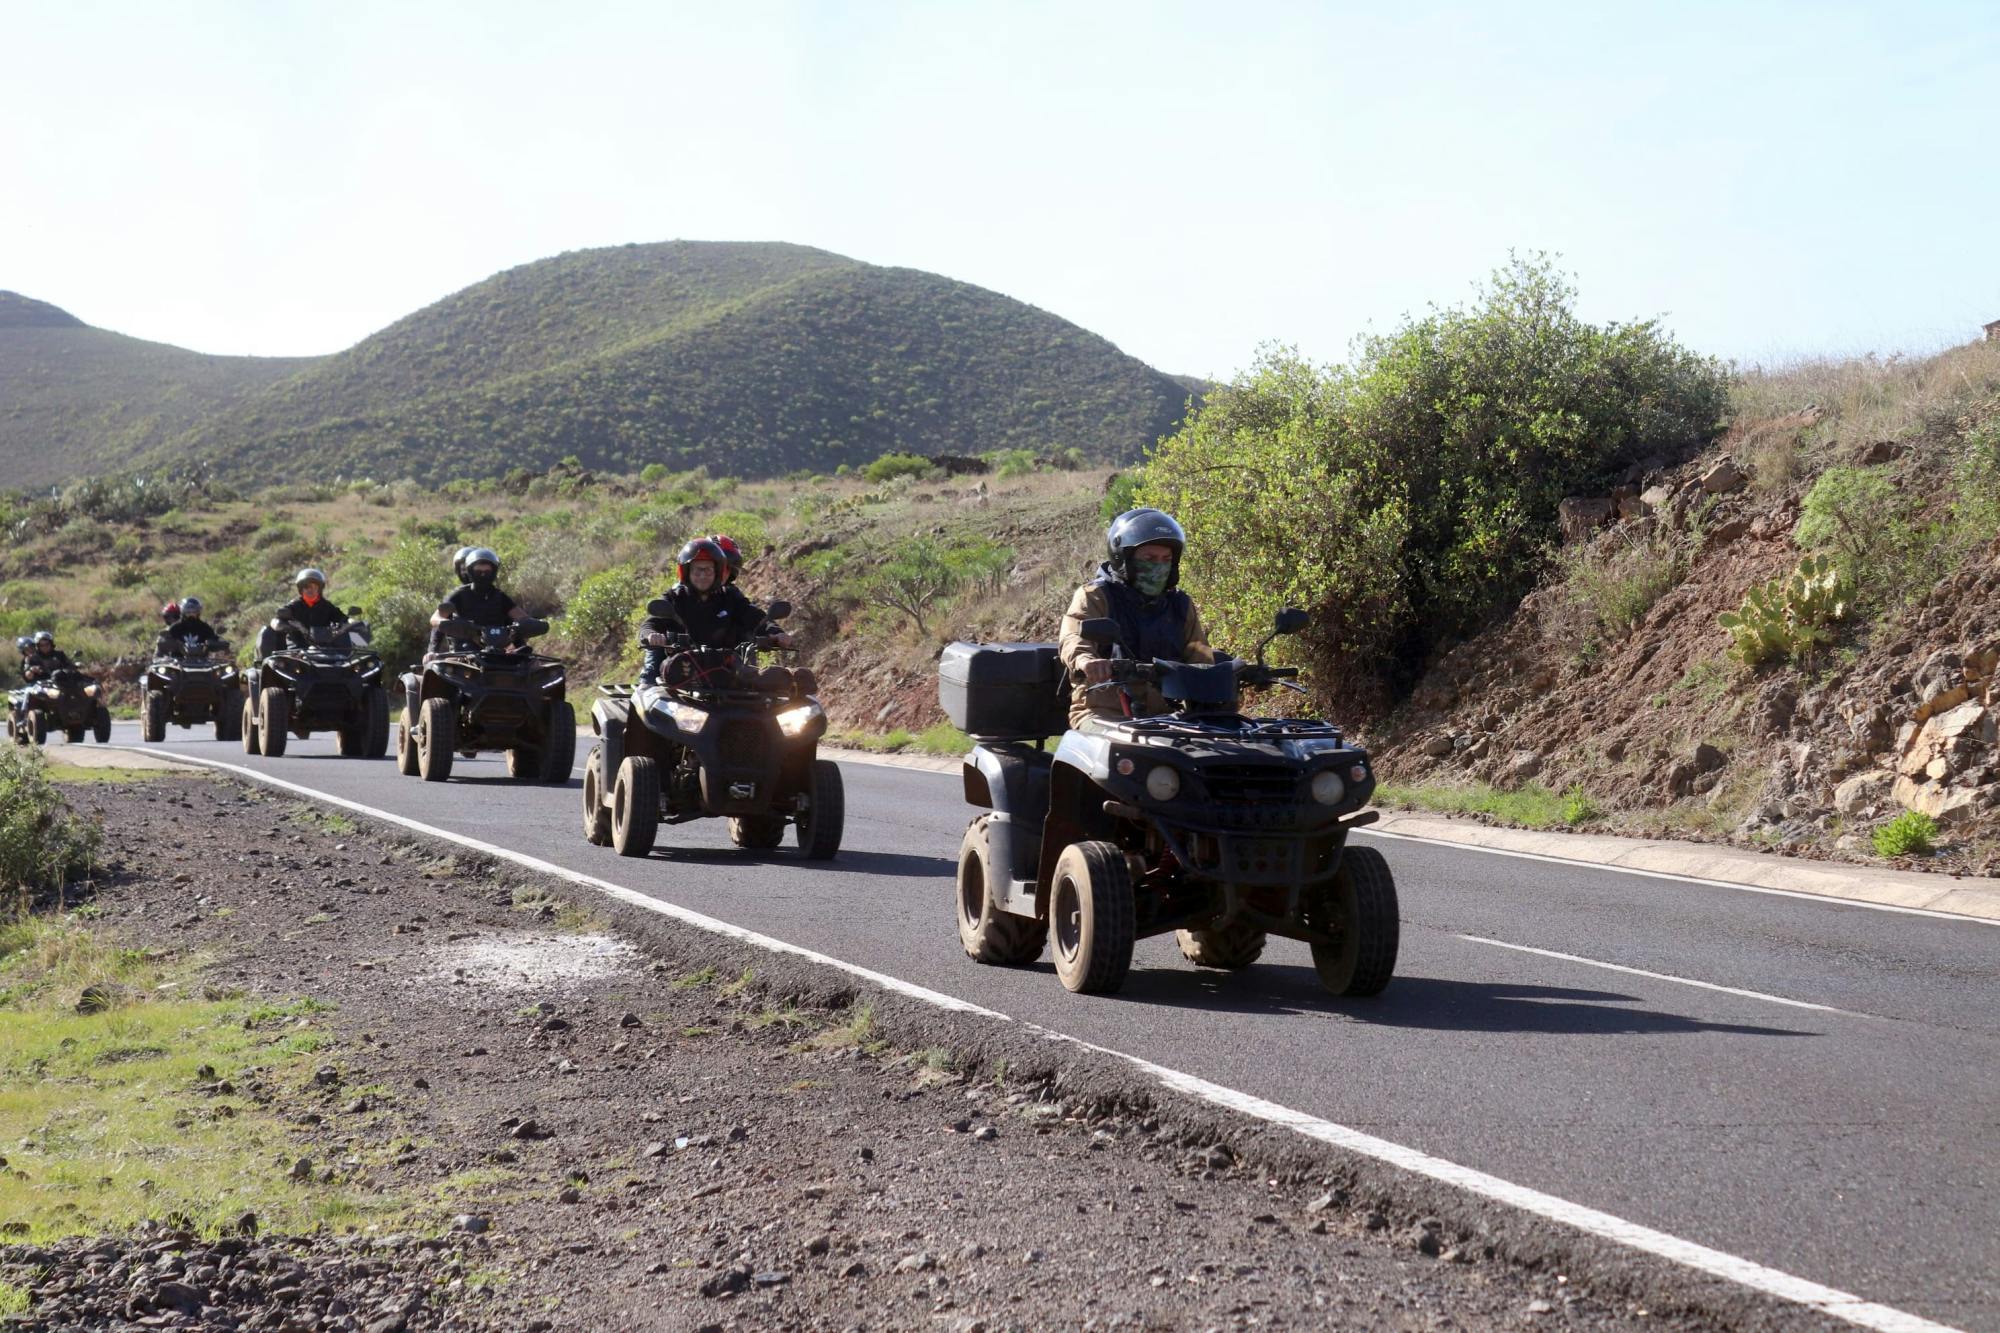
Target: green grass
{"x": 1531, "y": 806}
{"x": 13, "y": 1300}
{"x": 105, "y": 1127}
{"x": 1911, "y": 833}
{"x": 943, "y": 740}
{"x": 82, "y": 773}
{"x": 705, "y": 977}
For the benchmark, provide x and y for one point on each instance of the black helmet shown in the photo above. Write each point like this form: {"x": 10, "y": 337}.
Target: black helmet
{"x": 1142, "y": 527}
{"x": 458, "y": 562}
{"x": 702, "y": 548}
{"x": 190, "y": 606}
{"x": 310, "y": 575}
{"x": 476, "y": 555}
{"x": 42, "y": 636}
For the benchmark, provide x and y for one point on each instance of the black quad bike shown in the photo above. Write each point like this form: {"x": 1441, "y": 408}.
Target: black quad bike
{"x": 191, "y": 688}
{"x": 712, "y": 741}
{"x": 319, "y": 682}
{"x": 1221, "y": 827}
{"x": 478, "y": 694}
{"x": 67, "y": 701}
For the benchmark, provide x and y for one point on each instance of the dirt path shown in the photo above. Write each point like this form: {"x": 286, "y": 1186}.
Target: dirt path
{"x": 595, "y": 1124}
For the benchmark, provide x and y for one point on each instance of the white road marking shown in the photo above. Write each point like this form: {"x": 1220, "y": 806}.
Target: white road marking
{"x": 1660, "y": 976}
{"x": 1768, "y": 1281}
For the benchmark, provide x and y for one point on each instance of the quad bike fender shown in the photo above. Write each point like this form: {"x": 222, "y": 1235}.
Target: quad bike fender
{"x": 1076, "y": 814}
{"x": 608, "y": 718}
{"x": 1086, "y": 752}
{"x": 1013, "y": 782}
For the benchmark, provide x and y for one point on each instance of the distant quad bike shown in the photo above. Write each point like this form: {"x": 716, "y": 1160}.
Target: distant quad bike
{"x": 322, "y": 681}
{"x": 68, "y": 701}
{"x": 191, "y": 689}
{"x": 1220, "y": 827}
{"x": 478, "y": 695}
{"x": 711, "y": 742}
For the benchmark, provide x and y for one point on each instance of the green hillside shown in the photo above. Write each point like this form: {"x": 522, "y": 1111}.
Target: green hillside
{"x": 76, "y": 400}
{"x": 749, "y": 358}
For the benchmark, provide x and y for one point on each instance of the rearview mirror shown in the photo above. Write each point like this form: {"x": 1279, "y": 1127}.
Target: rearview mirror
{"x": 779, "y": 610}
{"x": 660, "y": 609}
{"x": 1099, "y": 629}
{"x": 1291, "y": 620}
{"x": 355, "y": 612}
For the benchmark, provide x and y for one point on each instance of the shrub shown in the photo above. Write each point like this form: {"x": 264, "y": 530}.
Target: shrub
{"x": 654, "y": 473}
{"x": 1008, "y": 463}
{"x": 1976, "y": 477}
{"x": 1787, "y": 618}
{"x": 741, "y": 526}
{"x": 1860, "y": 515}
{"x": 43, "y": 844}
{"x": 921, "y": 572}
{"x": 603, "y": 606}
{"x": 1908, "y": 834}
{"x": 399, "y": 591}
{"x": 1120, "y": 495}
{"x": 892, "y": 465}
{"x": 1615, "y": 587}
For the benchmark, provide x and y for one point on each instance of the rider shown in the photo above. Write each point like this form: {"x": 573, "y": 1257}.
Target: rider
{"x": 732, "y": 557}
{"x": 44, "y": 659}
{"x": 311, "y": 609}
{"x": 1138, "y": 588}
{"x": 187, "y": 624}
{"x": 706, "y": 607}
{"x": 478, "y": 599}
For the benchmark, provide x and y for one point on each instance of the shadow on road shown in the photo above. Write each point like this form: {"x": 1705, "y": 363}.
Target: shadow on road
{"x": 896, "y": 865}
{"x": 1431, "y": 1003}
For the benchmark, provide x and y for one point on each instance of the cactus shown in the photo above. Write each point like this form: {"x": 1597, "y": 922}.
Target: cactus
{"x": 1790, "y": 616}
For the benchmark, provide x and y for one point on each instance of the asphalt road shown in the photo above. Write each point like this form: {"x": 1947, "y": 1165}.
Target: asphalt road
{"x": 1855, "y": 1144}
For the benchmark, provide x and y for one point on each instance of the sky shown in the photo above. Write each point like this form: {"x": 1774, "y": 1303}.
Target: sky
{"x": 1192, "y": 181}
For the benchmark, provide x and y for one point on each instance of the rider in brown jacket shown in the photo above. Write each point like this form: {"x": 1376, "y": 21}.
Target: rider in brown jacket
{"x": 1138, "y": 588}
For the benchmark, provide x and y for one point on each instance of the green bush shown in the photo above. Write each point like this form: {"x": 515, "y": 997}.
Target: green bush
{"x": 604, "y": 606}
{"x": 1122, "y": 494}
{"x": 1406, "y": 497}
{"x": 1909, "y": 834}
{"x": 654, "y": 473}
{"x": 1859, "y": 515}
{"x": 741, "y": 526}
{"x": 892, "y": 465}
{"x": 919, "y": 573}
{"x": 1788, "y": 618}
{"x": 1615, "y": 588}
{"x": 1976, "y": 477}
{"x": 43, "y": 844}
{"x": 399, "y": 591}
{"x": 1009, "y": 463}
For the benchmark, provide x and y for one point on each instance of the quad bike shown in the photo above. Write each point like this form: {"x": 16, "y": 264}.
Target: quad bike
{"x": 477, "y": 695}
{"x": 712, "y": 741}
{"x": 191, "y": 688}
{"x": 1221, "y": 827}
{"x": 322, "y": 681}
{"x": 67, "y": 701}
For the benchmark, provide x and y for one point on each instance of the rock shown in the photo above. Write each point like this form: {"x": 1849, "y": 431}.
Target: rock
{"x": 178, "y": 1296}
{"x": 1947, "y": 805}
{"x": 656, "y": 1149}
{"x": 570, "y": 1194}
{"x": 1614, "y": 750}
{"x": 472, "y": 1224}
{"x": 629, "y": 1020}
{"x": 916, "y": 1263}
{"x": 855, "y": 1269}
{"x": 1438, "y": 746}
{"x": 727, "y": 1283}
{"x": 245, "y": 1224}
{"x": 1321, "y": 1204}
{"x": 971, "y": 1250}
{"x": 1863, "y": 792}
{"x": 1524, "y": 765}
{"x": 771, "y": 1279}
{"x": 1655, "y": 498}
{"x": 1940, "y": 698}
{"x": 986, "y": 1133}
{"x": 1876, "y": 452}
{"x": 326, "y": 1076}
{"x": 1723, "y": 478}
{"x": 1722, "y": 534}
{"x": 1708, "y": 759}
{"x": 1579, "y": 517}
{"x": 529, "y": 1129}
{"x": 302, "y": 1169}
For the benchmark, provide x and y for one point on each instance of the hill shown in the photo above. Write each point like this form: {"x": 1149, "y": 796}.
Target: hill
{"x": 76, "y": 400}
{"x": 753, "y": 359}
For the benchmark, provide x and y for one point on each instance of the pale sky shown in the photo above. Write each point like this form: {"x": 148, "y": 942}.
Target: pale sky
{"x": 1189, "y": 180}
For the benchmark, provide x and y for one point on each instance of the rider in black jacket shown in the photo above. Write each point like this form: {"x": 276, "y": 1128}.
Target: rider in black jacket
{"x": 479, "y": 599}
{"x": 44, "y": 659}
{"x": 711, "y": 612}
{"x": 187, "y": 633}
{"x": 311, "y": 609}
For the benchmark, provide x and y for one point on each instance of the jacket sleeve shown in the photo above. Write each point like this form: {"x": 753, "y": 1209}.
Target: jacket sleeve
{"x": 1197, "y": 648}
{"x": 1076, "y": 654}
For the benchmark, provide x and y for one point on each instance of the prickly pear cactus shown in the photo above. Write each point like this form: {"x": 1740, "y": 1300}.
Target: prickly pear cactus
{"x": 1789, "y": 617}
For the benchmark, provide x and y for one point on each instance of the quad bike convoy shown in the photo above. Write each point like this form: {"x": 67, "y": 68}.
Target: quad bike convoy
{"x": 1221, "y": 827}
{"x": 323, "y": 680}
{"x": 67, "y": 701}
{"x": 718, "y": 739}
{"x": 192, "y": 688}
{"x": 480, "y": 693}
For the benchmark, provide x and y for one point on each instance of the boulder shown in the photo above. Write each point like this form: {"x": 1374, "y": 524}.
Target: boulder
{"x": 1524, "y": 765}
{"x": 1579, "y": 517}
{"x": 1655, "y": 498}
{"x": 1438, "y": 746}
{"x": 1863, "y": 792}
{"x": 1947, "y": 805}
{"x": 1723, "y": 478}
{"x": 1724, "y": 533}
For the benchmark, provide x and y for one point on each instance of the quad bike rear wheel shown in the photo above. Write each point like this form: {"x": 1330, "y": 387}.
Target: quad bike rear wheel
{"x": 757, "y": 833}
{"x": 1092, "y": 917}
{"x": 406, "y": 746}
{"x": 274, "y": 722}
{"x": 988, "y": 934}
{"x": 596, "y": 815}
{"x": 100, "y": 725}
{"x": 437, "y": 737}
{"x": 247, "y": 731}
{"x": 559, "y": 752}
{"x": 1230, "y": 947}
{"x": 153, "y": 715}
{"x": 229, "y": 716}
{"x": 821, "y": 823}
{"x": 1358, "y": 907}
{"x": 75, "y": 735}
{"x": 635, "y": 806}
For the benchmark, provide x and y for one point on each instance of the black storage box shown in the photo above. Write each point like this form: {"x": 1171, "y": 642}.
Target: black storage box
{"x": 1003, "y": 689}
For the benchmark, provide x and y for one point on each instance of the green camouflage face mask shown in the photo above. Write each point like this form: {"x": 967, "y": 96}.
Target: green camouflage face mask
{"x": 1150, "y": 576}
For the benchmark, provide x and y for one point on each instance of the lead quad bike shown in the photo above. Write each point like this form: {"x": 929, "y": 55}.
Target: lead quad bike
{"x": 191, "y": 688}
{"x": 712, "y": 742}
{"x": 479, "y": 694}
{"x": 67, "y": 701}
{"x": 1221, "y": 827}
{"x": 321, "y": 681}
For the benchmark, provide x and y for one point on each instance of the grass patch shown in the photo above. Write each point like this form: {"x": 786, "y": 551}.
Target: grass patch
{"x": 943, "y": 740}
{"x": 1911, "y": 833}
{"x": 705, "y": 977}
{"x": 83, "y": 773}
{"x": 741, "y": 984}
{"x": 13, "y": 1300}
{"x": 568, "y": 916}
{"x": 789, "y": 1017}
{"x": 106, "y": 1127}
{"x": 1531, "y": 806}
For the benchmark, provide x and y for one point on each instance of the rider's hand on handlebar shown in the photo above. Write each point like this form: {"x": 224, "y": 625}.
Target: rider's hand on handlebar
{"x": 1097, "y": 671}
{"x": 656, "y": 640}
{"x": 781, "y": 639}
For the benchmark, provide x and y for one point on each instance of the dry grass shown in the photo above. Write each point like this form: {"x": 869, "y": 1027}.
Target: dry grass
{"x": 1868, "y": 398}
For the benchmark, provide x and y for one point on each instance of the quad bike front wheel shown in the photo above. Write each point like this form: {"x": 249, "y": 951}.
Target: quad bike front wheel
{"x": 247, "y": 731}
{"x": 274, "y": 722}
{"x": 596, "y": 814}
{"x": 437, "y": 737}
{"x": 635, "y": 806}
{"x": 375, "y": 743}
{"x": 38, "y": 728}
{"x": 987, "y": 934}
{"x": 821, "y": 823}
{"x": 406, "y": 746}
{"x": 1092, "y": 917}
{"x": 1358, "y": 907}
{"x": 1231, "y": 947}
{"x": 100, "y": 725}
{"x": 559, "y": 751}
{"x": 229, "y": 717}
{"x": 153, "y": 715}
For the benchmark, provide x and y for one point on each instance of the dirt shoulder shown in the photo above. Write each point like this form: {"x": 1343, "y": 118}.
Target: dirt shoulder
{"x": 578, "y": 1118}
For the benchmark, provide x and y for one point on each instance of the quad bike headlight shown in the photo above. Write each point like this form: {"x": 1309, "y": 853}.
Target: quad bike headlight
{"x": 1327, "y": 788}
{"x": 1163, "y": 782}
{"x": 793, "y": 721}
{"x": 687, "y": 717}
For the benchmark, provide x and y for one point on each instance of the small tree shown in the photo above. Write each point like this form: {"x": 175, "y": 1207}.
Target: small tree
{"x": 923, "y": 571}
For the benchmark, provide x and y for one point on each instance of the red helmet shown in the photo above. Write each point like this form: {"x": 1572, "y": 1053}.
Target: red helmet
{"x": 703, "y": 548}
{"x": 171, "y": 613}
{"x": 732, "y": 557}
